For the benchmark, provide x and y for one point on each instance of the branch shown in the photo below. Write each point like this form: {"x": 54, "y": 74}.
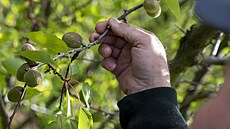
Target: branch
{"x": 211, "y": 60}
{"x": 83, "y": 5}
{"x": 200, "y": 74}
{"x": 103, "y": 111}
{"x": 54, "y": 71}
{"x": 16, "y": 107}
{"x": 122, "y": 17}
{"x": 191, "y": 46}
{"x": 105, "y": 123}
{"x": 201, "y": 95}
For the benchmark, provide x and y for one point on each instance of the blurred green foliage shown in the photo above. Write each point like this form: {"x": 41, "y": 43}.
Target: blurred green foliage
{"x": 95, "y": 86}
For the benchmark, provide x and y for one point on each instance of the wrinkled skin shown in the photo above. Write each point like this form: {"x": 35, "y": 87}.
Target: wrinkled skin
{"x": 135, "y": 56}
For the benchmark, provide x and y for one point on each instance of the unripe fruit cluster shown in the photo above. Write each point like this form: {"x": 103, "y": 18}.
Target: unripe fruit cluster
{"x": 72, "y": 39}
{"x": 152, "y": 8}
{"x": 24, "y": 73}
{"x": 30, "y": 76}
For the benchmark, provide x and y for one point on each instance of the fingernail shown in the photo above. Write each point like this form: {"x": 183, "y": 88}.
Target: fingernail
{"x": 111, "y": 66}
{"x": 113, "y": 21}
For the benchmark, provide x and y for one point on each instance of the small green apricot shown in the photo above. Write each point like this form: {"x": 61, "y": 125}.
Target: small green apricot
{"x": 15, "y": 93}
{"x": 32, "y": 78}
{"x": 28, "y": 47}
{"x": 72, "y": 39}
{"x": 21, "y": 71}
{"x": 155, "y": 14}
{"x": 152, "y": 8}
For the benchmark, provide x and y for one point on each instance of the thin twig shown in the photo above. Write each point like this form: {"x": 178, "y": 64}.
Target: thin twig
{"x": 76, "y": 93}
{"x": 65, "y": 84}
{"x": 91, "y": 60}
{"x": 211, "y": 60}
{"x": 54, "y": 71}
{"x": 16, "y": 107}
{"x": 105, "y": 123}
{"x": 62, "y": 93}
{"x": 103, "y": 111}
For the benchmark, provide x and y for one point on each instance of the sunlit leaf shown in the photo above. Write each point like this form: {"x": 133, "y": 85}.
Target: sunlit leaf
{"x": 68, "y": 103}
{"x": 90, "y": 117}
{"x": 49, "y": 41}
{"x": 85, "y": 119}
{"x": 86, "y": 91}
{"x": 39, "y": 56}
{"x": 174, "y": 7}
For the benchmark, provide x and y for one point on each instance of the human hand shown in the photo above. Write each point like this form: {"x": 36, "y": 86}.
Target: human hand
{"x": 134, "y": 55}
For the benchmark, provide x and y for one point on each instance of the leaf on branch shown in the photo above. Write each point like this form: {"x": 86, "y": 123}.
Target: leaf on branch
{"x": 85, "y": 94}
{"x": 174, "y": 7}
{"x": 31, "y": 92}
{"x": 85, "y": 119}
{"x": 98, "y": 116}
{"x": 69, "y": 112}
{"x": 39, "y": 56}
{"x": 52, "y": 125}
{"x": 73, "y": 124}
{"x": 11, "y": 65}
{"x": 46, "y": 40}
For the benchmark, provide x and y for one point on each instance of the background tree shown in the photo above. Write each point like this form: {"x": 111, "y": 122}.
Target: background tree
{"x": 195, "y": 53}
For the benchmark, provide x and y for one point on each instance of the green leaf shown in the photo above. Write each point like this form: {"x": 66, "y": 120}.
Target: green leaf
{"x": 86, "y": 92}
{"x": 174, "y": 7}
{"x": 85, "y": 119}
{"x": 39, "y": 56}
{"x": 2, "y": 70}
{"x": 68, "y": 125}
{"x": 2, "y": 82}
{"x": 49, "y": 41}
{"x": 75, "y": 69}
{"x": 98, "y": 117}
{"x": 74, "y": 124}
{"x": 90, "y": 117}
{"x": 11, "y": 65}
{"x": 68, "y": 103}
{"x": 31, "y": 92}
{"x": 52, "y": 125}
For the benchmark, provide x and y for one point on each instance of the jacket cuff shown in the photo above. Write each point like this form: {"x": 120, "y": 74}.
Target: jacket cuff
{"x": 153, "y": 108}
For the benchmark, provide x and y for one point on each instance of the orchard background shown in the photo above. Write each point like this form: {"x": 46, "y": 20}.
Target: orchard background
{"x": 195, "y": 53}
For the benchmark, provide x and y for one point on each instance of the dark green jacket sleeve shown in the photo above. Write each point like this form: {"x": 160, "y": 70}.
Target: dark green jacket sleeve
{"x": 151, "y": 109}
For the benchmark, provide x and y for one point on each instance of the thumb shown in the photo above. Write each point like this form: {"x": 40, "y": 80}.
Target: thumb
{"x": 132, "y": 34}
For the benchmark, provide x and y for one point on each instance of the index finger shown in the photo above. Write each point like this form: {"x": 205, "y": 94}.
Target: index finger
{"x": 101, "y": 27}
